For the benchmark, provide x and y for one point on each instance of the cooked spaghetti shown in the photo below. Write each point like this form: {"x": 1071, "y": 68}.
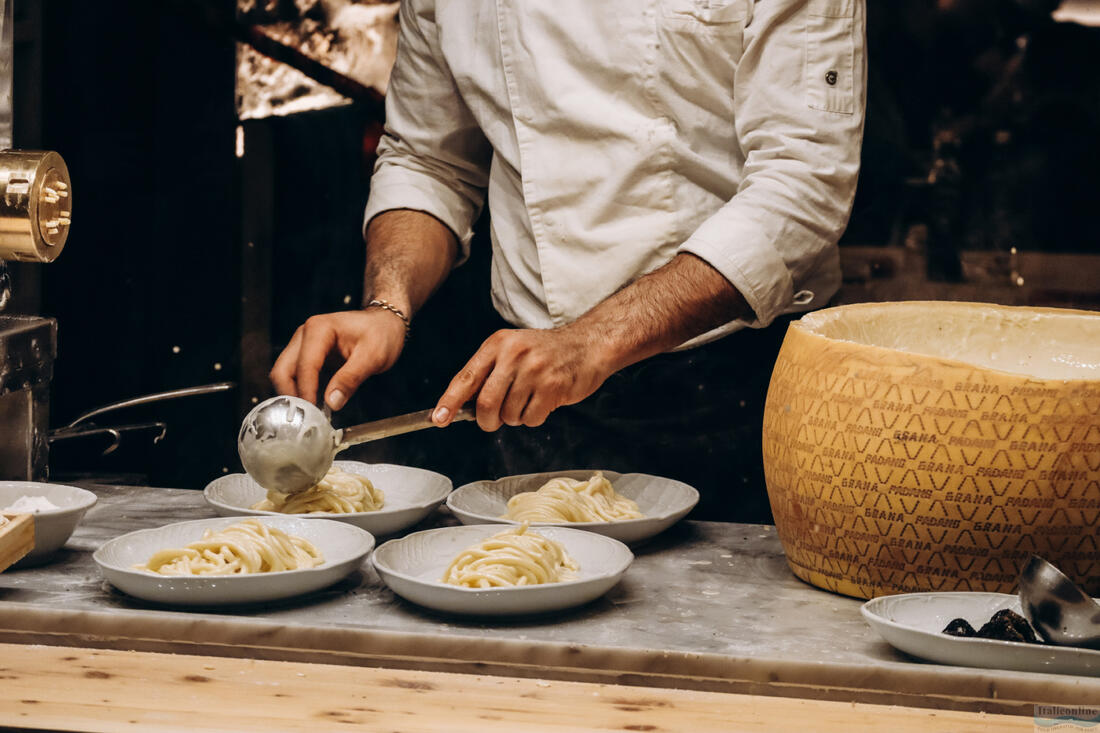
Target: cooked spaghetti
{"x": 514, "y": 557}
{"x": 247, "y": 547}
{"x": 339, "y": 492}
{"x": 564, "y": 499}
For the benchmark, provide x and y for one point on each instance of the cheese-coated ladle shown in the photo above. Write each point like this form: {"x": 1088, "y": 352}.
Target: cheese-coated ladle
{"x": 287, "y": 444}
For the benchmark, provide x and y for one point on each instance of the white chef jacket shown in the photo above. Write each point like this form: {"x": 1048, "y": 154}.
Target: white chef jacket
{"x": 609, "y": 135}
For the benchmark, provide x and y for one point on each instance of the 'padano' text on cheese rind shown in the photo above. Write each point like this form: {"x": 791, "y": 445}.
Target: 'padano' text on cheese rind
{"x": 935, "y": 446}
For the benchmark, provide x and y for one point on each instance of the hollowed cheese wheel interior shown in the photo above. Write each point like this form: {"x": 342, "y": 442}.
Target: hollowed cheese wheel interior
{"x": 1036, "y": 342}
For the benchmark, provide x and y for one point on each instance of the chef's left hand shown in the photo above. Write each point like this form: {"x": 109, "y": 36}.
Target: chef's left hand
{"x": 521, "y": 375}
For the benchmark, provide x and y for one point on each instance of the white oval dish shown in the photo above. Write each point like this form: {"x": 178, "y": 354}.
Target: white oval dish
{"x": 342, "y": 545}
{"x": 914, "y": 622}
{"x": 664, "y": 502}
{"x": 410, "y": 495}
{"x": 413, "y": 565}
{"x": 52, "y": 527}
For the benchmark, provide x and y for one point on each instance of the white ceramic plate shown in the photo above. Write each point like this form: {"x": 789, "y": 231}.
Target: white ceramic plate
{"x": 52, "y": 527}
{"x": 913, "y": 623}
{"x": 411, "y": 495}
{"x": 343, "y": 546}
{"x": 412, "y": 566}
{"x": 663, "y": 501}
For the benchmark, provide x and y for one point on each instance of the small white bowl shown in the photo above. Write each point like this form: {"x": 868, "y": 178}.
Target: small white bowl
{"x": 663, "y": 501}
{"x": 914, "y": 622}
{"x": 413, "y": 565}
{"x": 343, "y": 546}
{"x": 52, "y": 527}
{"x": 411, "y": 494}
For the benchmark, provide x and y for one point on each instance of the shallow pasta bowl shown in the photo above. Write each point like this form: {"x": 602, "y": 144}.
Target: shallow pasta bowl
{"x": 413, "y": 565}
{"x": 663, "y": 501}
{"x": 342, "y": 545}
{"x": 52, "y": 527}
{"x": 411, "y": 494}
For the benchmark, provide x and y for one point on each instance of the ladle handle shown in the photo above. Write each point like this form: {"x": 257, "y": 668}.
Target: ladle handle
{"x": 378, "y": 429}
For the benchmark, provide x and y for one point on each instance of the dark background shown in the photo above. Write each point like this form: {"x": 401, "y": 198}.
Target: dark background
{"x": 188, "y": 264}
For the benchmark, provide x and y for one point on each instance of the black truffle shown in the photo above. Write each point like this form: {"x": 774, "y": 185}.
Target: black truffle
{"x": 959, "y": 627}
{"x": 1007, "y": 625}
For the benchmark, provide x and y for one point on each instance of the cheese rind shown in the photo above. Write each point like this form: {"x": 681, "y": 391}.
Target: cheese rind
{"x": 893, "y": 468}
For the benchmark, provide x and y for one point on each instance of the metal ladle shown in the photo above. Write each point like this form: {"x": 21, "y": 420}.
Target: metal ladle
{"x": 287, "y": 444}
{"x": 1060, "y": 611}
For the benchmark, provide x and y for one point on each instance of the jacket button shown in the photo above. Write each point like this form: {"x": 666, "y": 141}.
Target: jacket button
{"x": 830, "y": 77}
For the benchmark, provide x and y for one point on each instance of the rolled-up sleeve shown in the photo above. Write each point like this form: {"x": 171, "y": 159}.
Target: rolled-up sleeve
{"x": 433, "y": 156}
{"x": 799, "y": 97}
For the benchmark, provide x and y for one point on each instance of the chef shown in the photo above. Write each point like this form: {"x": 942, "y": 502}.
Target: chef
{"x": 660, "y": 174}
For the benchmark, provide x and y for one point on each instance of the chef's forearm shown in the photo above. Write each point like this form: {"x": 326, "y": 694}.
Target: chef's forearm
{"x": 409, "y": 255}
{"x": 660, "y": 311}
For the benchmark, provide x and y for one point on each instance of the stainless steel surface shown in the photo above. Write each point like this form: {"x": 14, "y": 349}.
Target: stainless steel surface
{"x": 35, "y": 205}
{"x": 1059, "y": 610}
{"x": 18, "y": 457}
{"x": 7, "y": 54}
{"x": 171, "y": 394}
{"x": 28, "y": 347}
{"x": 287, "y": 444}
{"x": 5, "y": 285}
{"x": 390, "y": 426}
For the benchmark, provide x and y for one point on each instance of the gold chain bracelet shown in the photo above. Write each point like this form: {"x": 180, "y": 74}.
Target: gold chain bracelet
{"x": 386, "y": 305}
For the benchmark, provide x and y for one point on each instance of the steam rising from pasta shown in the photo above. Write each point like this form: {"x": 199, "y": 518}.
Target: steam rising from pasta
{"x": 339, "y": 492}
{"x": 568, "y": 500}
{"x": 513, "y": 557}
{"x": 247, "y": 547}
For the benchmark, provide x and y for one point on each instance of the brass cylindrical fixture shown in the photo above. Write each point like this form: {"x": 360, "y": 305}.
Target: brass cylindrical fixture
{"x": 35, "y": 205}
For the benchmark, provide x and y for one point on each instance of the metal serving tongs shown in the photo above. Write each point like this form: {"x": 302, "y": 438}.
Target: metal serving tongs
{"x": 287, "y": 444}
{"x": 1060, "y": 611}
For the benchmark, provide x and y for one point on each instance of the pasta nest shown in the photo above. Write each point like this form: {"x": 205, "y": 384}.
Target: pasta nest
{"x": 339, "y": 492}
{"x": 248, "y": 547}
{"x": 515, "y": 557}
{"x": 569, "y": 500}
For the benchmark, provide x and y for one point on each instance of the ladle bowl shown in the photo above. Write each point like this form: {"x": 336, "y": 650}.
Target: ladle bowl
{"x": 1060, "y": 611}
{"x": 287, "y": 444}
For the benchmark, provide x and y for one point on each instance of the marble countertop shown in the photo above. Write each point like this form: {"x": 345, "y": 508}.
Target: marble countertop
{"x": 706, "y": 605}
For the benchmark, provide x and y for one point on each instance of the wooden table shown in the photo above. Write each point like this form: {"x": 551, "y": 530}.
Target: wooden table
{"x": 73, "y": 689}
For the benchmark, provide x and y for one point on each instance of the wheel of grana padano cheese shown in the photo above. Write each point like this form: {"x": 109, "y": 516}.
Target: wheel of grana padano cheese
{"x": 922, "y": 446}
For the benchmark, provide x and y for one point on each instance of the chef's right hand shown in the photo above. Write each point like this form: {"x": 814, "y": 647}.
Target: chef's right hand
{"x": 368, "y": 341}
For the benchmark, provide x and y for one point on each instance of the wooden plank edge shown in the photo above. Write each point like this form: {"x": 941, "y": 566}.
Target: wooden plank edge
{"x": 641, "y": 680}
{"x": 16, "y": 538}
{"x": 67, "y": 688}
